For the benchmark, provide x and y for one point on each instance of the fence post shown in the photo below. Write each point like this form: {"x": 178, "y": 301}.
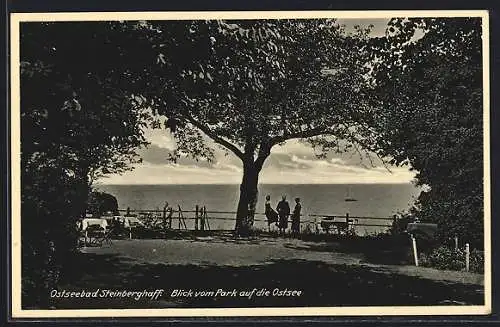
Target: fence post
{"x": 205, "y": 218}
{"x": 202, "y": 219}
{"x": 415, "y": 253}
{"x": 456, "y": 243}
{"x": 180, "y": 216}
{"x": 164, "y": 219}
{"x": 196, "y": 218}
{"x": 467, "y": 256}
{"x": 347, "y": 223}
{"x": 130, "y": 233}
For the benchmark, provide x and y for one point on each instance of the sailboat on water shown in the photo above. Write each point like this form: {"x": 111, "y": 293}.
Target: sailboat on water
{"x": 349, "y": 197}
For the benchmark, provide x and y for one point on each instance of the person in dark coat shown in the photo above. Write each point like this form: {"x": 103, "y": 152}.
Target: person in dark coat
{"x": 283, "y": 209}
{"x": 296, "y": 218}
{"x": 271, "y": 215}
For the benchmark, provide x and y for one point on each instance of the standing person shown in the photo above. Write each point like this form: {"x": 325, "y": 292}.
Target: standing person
{"x": 271, "y": 215}
{"x": 296, "y": 218}
{"x": 283, "y": 209}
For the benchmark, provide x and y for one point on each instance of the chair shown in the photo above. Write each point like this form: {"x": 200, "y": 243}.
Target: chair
{"x": 351, "y": 229}
{"x": 327, "y": 223}
{"x": 105, "y": 237}
{"x": 347, "y": 227}
{"x": 95, "y": 233}
{"x": 339, "y": 226}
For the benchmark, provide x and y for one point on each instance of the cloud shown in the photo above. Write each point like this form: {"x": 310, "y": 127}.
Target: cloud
{"x": 291, "y": 170}
{"x": 297, "y": 170}
{"x": 154, "y": 154}
{"x": 294, "y": 146}
{"x": 350, "y": 157}
{"x": 292, "y": 163}
{"x": 324, "y": 172}
{"x": 148, "y": 173}
{"x": 227, "y": 166}
{"x": 160, "y": 138}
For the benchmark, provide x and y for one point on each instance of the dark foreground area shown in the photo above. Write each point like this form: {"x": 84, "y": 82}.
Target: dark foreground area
{"x": 239, "y": 273}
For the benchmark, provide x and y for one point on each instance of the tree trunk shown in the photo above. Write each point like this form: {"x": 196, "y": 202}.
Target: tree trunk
{"x": 248, "y": 199}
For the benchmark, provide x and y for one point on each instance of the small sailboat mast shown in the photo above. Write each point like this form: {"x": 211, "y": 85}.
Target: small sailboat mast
{"x": 349, "y": 197}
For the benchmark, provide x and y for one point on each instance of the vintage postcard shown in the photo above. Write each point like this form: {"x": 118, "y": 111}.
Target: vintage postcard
{"x": 202, "y": 164}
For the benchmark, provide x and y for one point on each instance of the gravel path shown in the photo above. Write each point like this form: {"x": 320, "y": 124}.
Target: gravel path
{"x": 226, "y": 251}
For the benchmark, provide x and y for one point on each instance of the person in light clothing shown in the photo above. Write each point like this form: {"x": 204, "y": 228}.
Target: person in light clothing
{"x": 271, "y": 215}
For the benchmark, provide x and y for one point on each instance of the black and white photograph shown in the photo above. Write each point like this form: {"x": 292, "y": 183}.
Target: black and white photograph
{"x": 320, "y": 163}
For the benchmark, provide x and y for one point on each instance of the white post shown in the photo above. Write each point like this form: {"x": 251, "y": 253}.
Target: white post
{"x": 467, "y": 256}
{"x": 86, "y": 237}
{"x": 456, "y": 243}
{"x": 130, "y": 233}
{"x": 415, "y": 254}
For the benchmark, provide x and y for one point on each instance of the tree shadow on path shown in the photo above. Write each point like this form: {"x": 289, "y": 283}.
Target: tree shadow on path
{"x": 320, "y": 284}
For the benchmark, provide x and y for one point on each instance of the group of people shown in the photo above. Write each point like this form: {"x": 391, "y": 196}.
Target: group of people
{"x": 282, "y": 213}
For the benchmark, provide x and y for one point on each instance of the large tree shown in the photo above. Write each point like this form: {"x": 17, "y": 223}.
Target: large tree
{"x": 429, "y": 87}
{"x": 76, "y": 124}
{"x": 253, "y": 85}
{"x": 73, "y": 97}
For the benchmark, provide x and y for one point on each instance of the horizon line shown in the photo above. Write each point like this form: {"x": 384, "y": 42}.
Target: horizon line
{"x": 238, "y": 184}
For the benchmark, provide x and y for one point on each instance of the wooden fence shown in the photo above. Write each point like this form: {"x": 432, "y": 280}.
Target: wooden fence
{"x": 176, "y": 218}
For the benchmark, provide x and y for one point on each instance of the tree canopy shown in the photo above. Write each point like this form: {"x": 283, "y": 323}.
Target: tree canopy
{"x": 430, "y": 97}
{"x": 88, "y": 89}
{"x": 100, "y": 203}
{"x": 72, "y": 104}
{"x": 76, "y": 125}
{"x": 251, "y": 85}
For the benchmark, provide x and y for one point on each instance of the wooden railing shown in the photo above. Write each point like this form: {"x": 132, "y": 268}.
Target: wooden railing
{"x": 176, "y": 218}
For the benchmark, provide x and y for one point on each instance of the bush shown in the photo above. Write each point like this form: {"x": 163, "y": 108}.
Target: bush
{"x": 446, "y": 258}
{"x": 477, "y": 261}
{"x": 100, "y": 202}
{"x": 51, "y": 202}
{"x": 400, "y": 224}
{"x": 308, "y": 230}
{"x": 426, "y": 242}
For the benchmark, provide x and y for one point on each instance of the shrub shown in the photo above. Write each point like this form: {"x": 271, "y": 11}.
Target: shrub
{"x": 426, "y": 243}
{"x": 307, "y": 230}
{"x": 444, "y": 258}
{"x": 400, "y": 224}
{"x": 447, "y": 258}
{"x": 50, "y": 205}
{"x": 477, "y": 261}
{"x": 101, "y": 202}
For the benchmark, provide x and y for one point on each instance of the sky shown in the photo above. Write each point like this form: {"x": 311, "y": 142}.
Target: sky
{"x": 293, "y": 163}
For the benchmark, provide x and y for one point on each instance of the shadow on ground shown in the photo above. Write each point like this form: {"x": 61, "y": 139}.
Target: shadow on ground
{"x": 392, "y": 250}
{"x": 320, "y": 284}
{"x": 374, "y": 253}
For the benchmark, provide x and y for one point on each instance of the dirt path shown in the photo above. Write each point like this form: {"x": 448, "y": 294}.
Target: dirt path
{"x": 225, "y": 251}
{"x": 322, "y": 274}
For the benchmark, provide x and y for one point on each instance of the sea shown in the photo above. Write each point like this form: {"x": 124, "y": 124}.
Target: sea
{"x": 372, "y": 201}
